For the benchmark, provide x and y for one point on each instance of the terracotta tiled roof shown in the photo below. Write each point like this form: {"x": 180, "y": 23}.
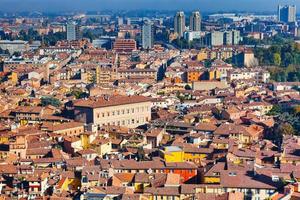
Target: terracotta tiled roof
{"x": 37, "y": 151}
{"x": 110, "y": 101}
{"x": 206, "y": 127}
{"x": 153, "y": 132}
{"x": 29, "y": 109}
{"x": 8, "y": 169}
{"x": 125, "y": 177}
{"x": 245, "y": 179}
{"x": 164, "y": 191}
{"x": 64, "y": 126}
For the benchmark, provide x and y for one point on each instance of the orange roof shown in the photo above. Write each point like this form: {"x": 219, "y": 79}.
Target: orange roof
{"x": 111, "y": 101}
{"x": 124, "y": 177}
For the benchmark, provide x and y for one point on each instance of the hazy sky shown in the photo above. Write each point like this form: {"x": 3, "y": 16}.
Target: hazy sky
{"x": 94, "y": 5}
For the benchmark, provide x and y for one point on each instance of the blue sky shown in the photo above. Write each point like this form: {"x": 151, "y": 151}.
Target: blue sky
{"x": 93, "y": 5}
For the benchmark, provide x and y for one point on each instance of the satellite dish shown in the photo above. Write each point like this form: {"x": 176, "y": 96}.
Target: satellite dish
{"x": 150, "y": 171}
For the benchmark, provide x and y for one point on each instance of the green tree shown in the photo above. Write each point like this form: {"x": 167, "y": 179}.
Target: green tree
{"x": 45, "y": 101}
{"x": 93, "y": 79}
{"x": 277, "y": 59}
{"x": 187, "y": 87}
{"x": 287, "y": 59}
{"x": 286, "y": 129}
{"x": 276, "y": 110}
{"x": 89, "y": 34}
{"x": 78, "y": 93}
{"x": 297, "y": 109}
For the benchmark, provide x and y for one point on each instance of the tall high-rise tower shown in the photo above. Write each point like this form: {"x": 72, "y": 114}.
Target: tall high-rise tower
{"x": 73, "y": 31}
{"x": 179, "y": 23}
{"x": 287, "y": 13}
{"x": 195, "y": 21}
{"x": 120, "y": 21}
{"x": 147, "y": 35}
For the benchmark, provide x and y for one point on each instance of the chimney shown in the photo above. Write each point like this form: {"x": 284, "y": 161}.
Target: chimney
{"x": 106, "y": 97}
{"x": 254, "y": 169}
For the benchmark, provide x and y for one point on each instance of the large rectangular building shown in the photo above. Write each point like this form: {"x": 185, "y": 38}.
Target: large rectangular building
{"x": 135, "y": 73}
{"x": 73, "y": 31}
{"x": 124, "y": 45}
{"x": 129, "y": 111}
{"x": 14, "y": 46}
{"x": 147, "y": 35}
{"x": 219, "y": 38}
{"x": 287, "y": 13}
{"x": 257, "y": 74}
{"x": 216, "y": 38}
{"x": 179, "y": 23}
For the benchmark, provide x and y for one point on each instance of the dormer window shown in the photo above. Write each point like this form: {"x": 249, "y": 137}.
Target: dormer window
{"x": 232, "y": 173}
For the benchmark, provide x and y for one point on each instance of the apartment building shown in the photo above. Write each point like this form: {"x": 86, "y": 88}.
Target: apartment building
{"x": 130, "y": 111}
{"x": 257, "y": 74}
{"x": 129, "y": 73}
{"x": 105, "y": 74}
{"x": 124, "y": 45}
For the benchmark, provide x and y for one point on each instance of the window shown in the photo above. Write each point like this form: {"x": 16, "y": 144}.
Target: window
{"x": 232, "y": 173}
{"x": 132, "y": 121}
{"x": 132, "y": 110}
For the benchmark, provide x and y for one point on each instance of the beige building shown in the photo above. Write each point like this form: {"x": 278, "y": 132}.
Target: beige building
{"x": 257, "y": 74}
{"x": 129, "y": 111}
{"x": 129, "y": 73}
{"x": 105, "y": 74}
{"x": 69, "y": 129}
{"x": 249, "y": 59}
{"x": 209, "y": 85}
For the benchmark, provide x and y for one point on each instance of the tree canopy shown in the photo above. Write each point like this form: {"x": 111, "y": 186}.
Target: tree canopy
{"x": 45, "y": 101}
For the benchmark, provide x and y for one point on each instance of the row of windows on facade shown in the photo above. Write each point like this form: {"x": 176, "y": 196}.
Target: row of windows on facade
{"x": 136, "y": 73}
{"x": 123, "y": 111}
{"x": 168, "y": 197}
{"x": 154, "y": 170}
{"x": 127, "y": 122}
{"x": 249, "y": 74}
{"x": 26, "y": 114}
{"x": 250, "y": 192}
{"x": 236, "y": 75}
